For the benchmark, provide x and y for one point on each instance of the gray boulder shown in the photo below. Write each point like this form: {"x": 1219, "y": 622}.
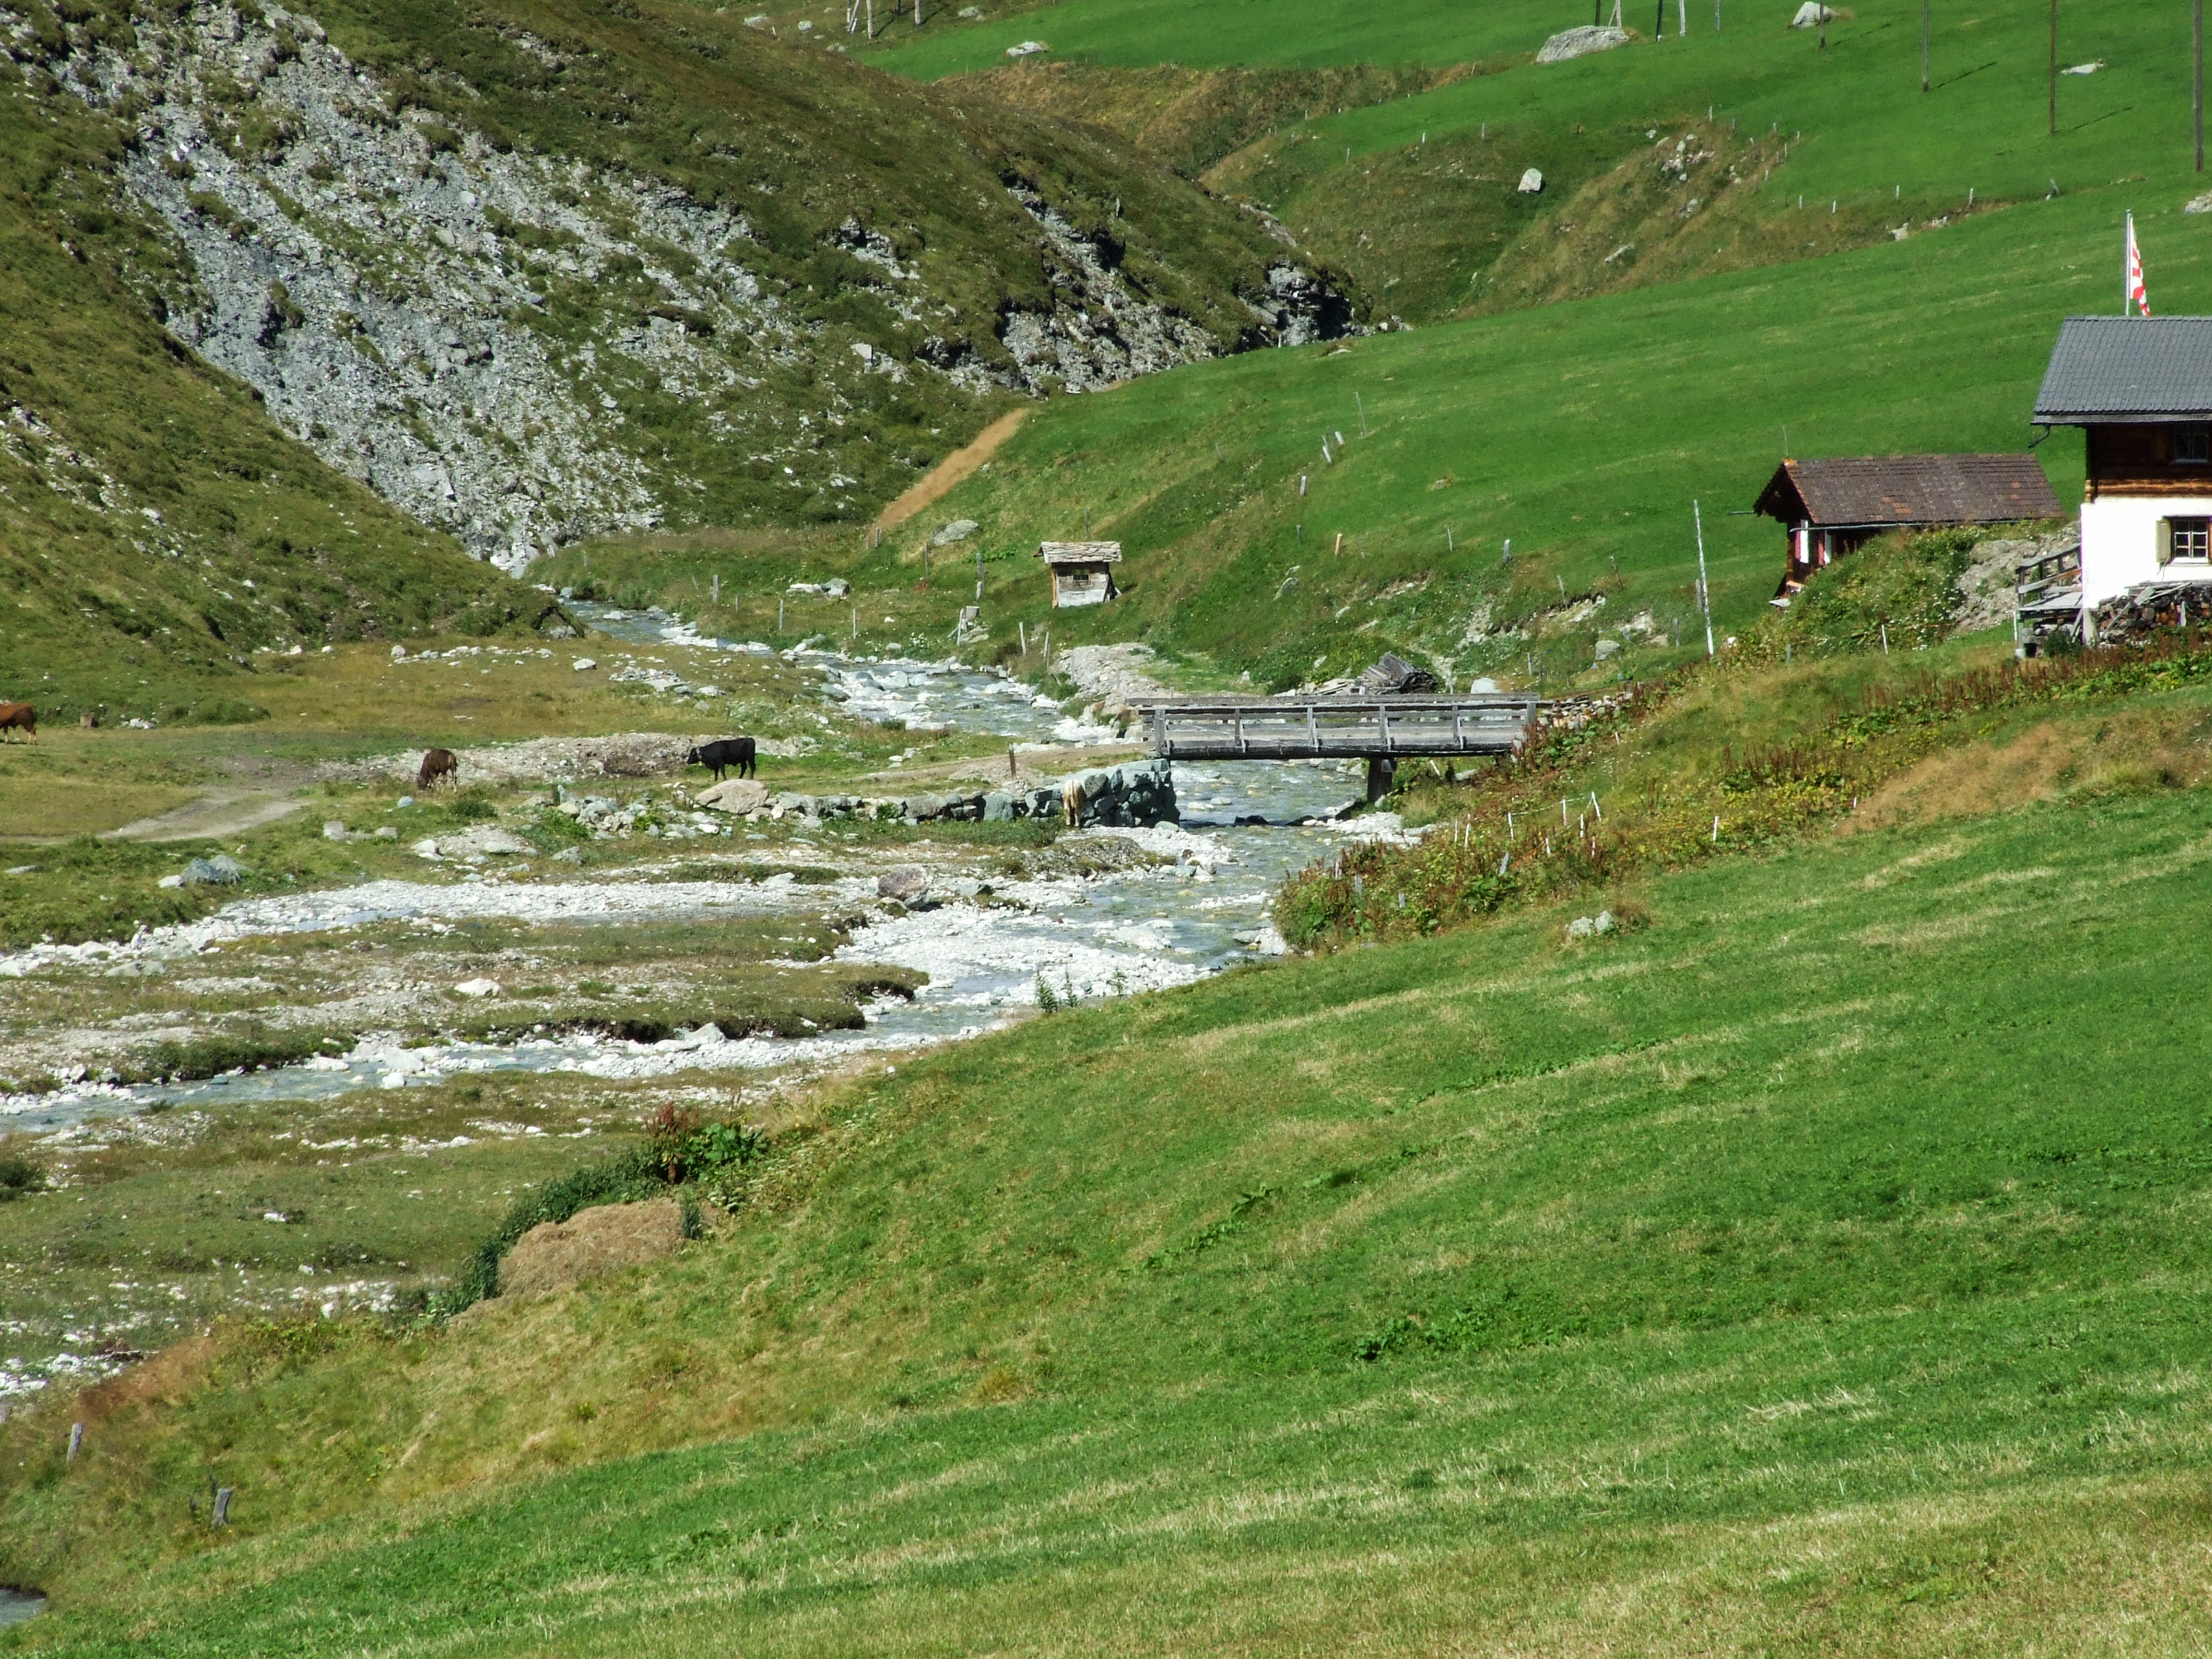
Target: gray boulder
{"x": 958, "y": 530}
{"x": 905, "y": 882}
{"x": 1580, "y": 42}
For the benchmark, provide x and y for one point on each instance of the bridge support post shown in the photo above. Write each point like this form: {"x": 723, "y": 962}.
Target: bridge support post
{"x": 1382, "y": 772}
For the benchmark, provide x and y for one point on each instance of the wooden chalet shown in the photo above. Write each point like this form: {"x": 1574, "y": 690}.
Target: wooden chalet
{"x": 1082, "y": 572}
{"x": 2141, "y": 389}
{"x": 1831, "y": 508}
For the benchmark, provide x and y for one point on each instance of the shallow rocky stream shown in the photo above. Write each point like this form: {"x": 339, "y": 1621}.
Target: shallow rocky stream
{"x": 1203, "y": 909}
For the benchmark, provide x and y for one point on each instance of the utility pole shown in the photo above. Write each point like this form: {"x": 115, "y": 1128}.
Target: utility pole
{"x": 1924, "y": 45}
{"x": 1705, "y": 593}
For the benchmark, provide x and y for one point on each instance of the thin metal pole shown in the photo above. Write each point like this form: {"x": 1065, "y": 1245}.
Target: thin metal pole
{"x": 1705, "y": 593}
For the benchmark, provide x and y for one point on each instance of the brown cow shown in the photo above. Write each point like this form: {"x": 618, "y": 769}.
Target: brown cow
{"x": 436, "y": 764}
{"x": 20, "y": 717}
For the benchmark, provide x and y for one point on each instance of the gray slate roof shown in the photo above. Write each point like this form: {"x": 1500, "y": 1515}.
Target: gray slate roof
{"x": 2121, "y": 368}
{"x": 1860, "y": 490}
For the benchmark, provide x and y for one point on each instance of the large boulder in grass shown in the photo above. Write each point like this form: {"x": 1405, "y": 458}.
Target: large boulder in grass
{"x": 735, "y": 795}
{"x": 1580, "y": 42}
{"x": 557, "y": 1255}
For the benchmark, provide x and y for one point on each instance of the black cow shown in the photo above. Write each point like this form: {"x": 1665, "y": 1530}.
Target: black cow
{"x": 722, "y": 753}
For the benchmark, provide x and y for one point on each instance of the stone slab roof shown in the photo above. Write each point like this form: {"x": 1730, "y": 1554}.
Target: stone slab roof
{"x": 1080, "y": 552}
{"x": 2124, "y": 368}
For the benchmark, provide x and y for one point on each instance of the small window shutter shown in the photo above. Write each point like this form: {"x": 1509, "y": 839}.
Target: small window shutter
{"x": 2165, "y": 541}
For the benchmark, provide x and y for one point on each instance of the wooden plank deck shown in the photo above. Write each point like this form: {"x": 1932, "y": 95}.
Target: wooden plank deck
{"x": 1305, "y": 728}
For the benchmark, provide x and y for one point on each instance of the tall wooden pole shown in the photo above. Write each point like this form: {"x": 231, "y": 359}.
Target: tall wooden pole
{"x": 1924, "y": 45}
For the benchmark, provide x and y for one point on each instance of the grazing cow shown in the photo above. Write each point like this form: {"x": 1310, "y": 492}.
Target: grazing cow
{"x": 436, "y": 764}
{"x": 723, "y": 753}
{"x": 1071, "y": 803}
{"x": 20, "y": 717}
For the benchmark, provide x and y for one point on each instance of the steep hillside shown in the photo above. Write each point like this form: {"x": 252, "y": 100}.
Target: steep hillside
{"x": 1582, "y": 432}
{"x": 538, "y": 271}
{"x": 157, "y": 530}
{"x": 1816, "y": 1270}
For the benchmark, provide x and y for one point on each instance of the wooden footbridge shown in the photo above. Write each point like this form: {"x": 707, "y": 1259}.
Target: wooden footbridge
{"x": 1380, "y": 730}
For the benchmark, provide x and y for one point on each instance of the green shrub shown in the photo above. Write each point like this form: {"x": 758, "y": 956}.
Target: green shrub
{"x": 19, "y": 1176}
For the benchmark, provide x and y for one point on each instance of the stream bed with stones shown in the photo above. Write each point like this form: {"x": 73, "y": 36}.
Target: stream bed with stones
{"x": 352, "y": 1177}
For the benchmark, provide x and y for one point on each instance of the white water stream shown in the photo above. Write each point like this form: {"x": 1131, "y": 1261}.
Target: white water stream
{"x": 1143, "y": 929}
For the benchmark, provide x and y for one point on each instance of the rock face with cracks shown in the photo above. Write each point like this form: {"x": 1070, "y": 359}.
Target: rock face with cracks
{"x": 475, "y": 329}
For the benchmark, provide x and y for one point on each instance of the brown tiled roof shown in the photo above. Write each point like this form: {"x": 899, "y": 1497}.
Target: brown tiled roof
{"x": 1886, "y": 489}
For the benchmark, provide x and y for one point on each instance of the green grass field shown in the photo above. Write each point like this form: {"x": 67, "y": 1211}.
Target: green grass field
{"x": 1584, "y": 428}
{"x": 1817, "y": 1266}
{"x": 1819, "y": 1269}
{"x": 1582, "y": 431}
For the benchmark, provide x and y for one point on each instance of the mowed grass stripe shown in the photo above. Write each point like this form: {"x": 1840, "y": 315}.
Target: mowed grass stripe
{"x": 1853, "y": 1290}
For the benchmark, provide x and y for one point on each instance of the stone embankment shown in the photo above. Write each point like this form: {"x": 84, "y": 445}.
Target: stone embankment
{"x": 1137, "y": 794}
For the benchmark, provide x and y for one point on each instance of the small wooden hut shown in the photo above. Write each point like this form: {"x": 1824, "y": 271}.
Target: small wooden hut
{"x": 1831, "y": 508}
{"x": 1082, "y": 572}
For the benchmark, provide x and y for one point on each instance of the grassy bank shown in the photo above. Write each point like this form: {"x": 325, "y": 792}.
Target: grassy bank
{"x": 1789, "y": 1272}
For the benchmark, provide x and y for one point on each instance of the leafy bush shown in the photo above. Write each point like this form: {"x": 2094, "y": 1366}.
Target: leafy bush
{"x": 686, "y": 1148}
{"x": 19, "y": 1176}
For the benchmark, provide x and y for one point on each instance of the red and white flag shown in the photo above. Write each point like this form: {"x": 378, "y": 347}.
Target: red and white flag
{"x": 2136, "y": 295}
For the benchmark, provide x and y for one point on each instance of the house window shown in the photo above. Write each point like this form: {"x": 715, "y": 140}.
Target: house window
{"x": 2192, "y": 445}
{"x": 2192, "y": 539}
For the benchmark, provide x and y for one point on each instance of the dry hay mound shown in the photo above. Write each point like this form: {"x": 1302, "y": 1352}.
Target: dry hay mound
{"x": 557, "y": 1255}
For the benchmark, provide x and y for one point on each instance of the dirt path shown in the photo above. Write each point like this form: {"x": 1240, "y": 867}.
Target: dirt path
{"x": 225, "y": 812}
{"x": 961, "y": 463}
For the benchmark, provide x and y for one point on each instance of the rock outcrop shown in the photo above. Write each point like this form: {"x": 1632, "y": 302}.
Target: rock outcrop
{"x": 525, "y": 348}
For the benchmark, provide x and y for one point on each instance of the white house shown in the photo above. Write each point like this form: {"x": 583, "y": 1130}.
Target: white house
{"x": 2141, "y": 388}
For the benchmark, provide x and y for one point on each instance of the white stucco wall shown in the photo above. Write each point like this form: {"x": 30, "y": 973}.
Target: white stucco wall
{"x": 2120, "y": 542}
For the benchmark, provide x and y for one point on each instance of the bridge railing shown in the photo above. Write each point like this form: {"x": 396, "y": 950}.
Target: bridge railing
{"x": 1276, "y": 728}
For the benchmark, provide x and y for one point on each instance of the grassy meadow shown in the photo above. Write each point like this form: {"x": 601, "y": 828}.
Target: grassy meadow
{"x": 1593, "y": 359}
{"x": 1582, "y": 431}
{"x": 1818, "y": 1267}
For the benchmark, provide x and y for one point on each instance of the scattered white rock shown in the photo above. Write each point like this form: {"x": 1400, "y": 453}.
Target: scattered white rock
{"x": 1811, "y": 16}
{"x": 334, "y": 831}
{"x": 1531, "y": 183}
{"x": 1590, "y": 926}
{"x": 1027, "y": 49}
{"x": 478, "y": 987}
{"x": 2083, "y": 68}
{"x": 583, "y": 663}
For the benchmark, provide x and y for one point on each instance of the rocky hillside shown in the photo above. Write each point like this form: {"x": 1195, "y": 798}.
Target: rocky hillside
{"x": 532, "y": 272}
{"x": 159, "y": 534}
